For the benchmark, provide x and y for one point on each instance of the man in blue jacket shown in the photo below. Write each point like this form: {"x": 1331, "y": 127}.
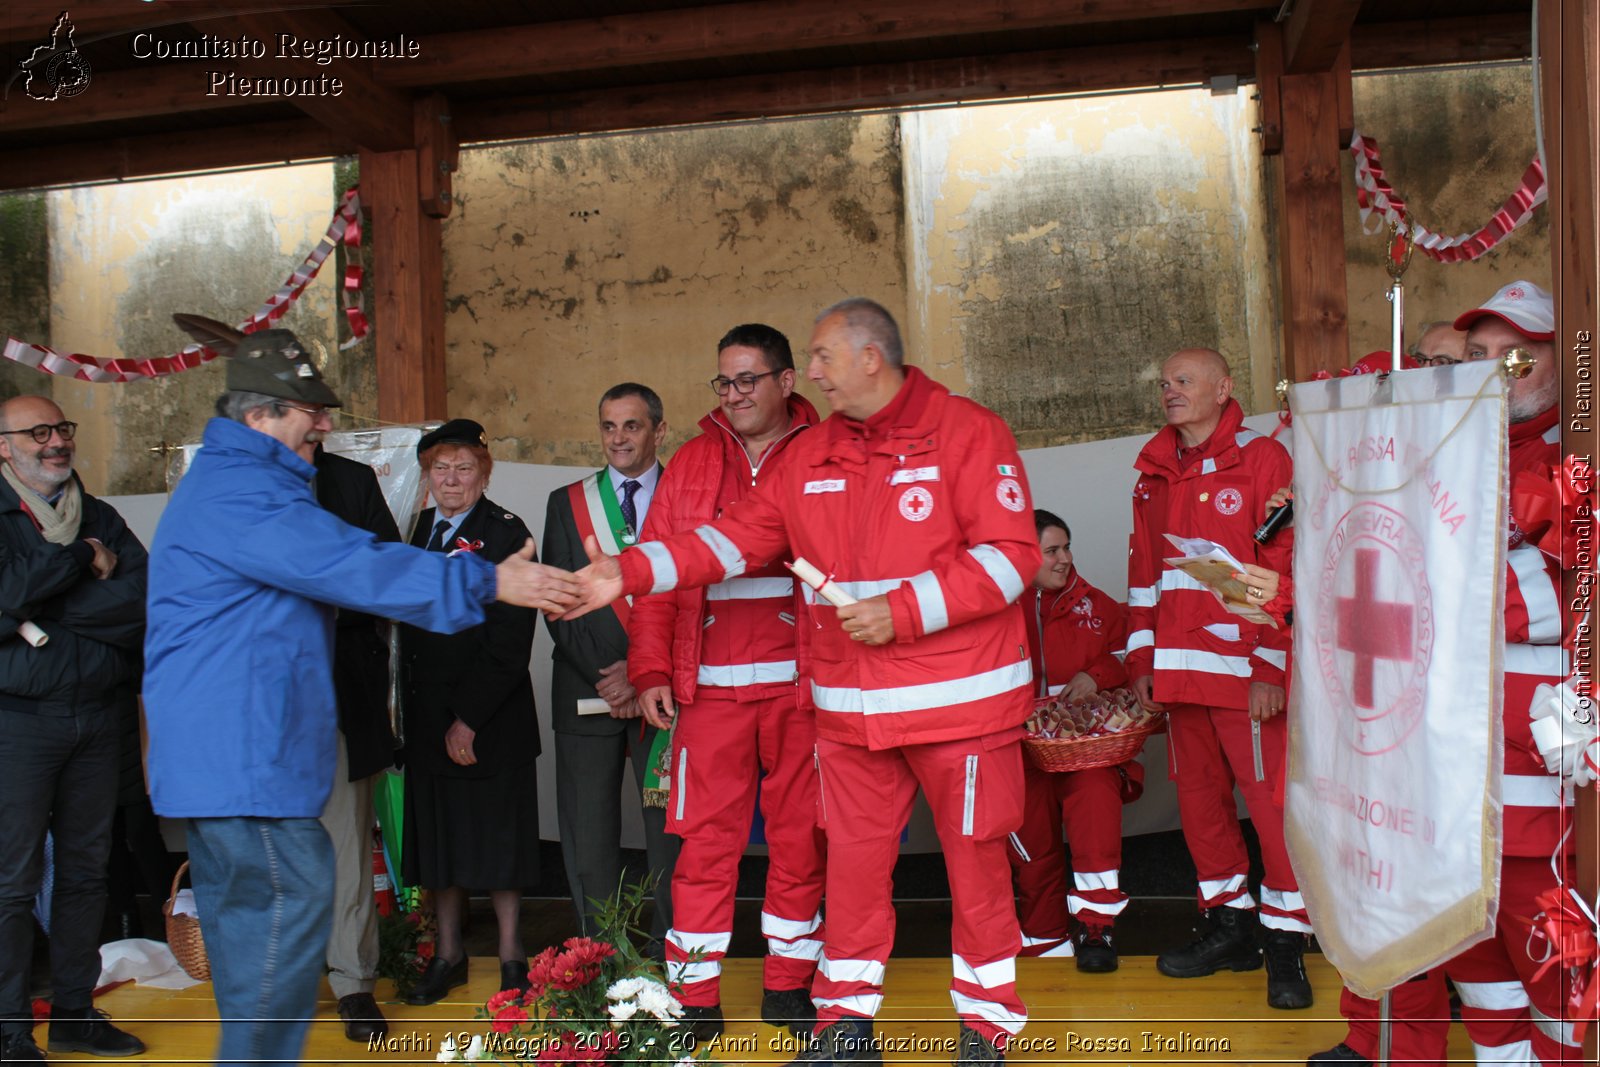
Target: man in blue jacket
{"x": 245, "y": 570}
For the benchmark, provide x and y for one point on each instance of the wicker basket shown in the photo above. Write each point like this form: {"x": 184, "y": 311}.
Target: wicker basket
{"x": 1081, "y": 753}
{"x": 183, "y": 936}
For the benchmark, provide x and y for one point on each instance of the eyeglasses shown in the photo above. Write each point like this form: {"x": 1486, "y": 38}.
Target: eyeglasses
{"x": 744, "y": 383}
{"x": 41, "y": 433}
{"x": 1437, "y": 361}
{"x": 313, "y": 412}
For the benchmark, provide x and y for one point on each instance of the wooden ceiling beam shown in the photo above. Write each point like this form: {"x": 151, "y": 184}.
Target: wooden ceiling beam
{"x": 1476, "y": 39}
{"x": 922, "y": 83}
{"x": 121, "y": 94}
{"x": 757, "y": 27}
{"x": 25, "y": 22}
{"x": 197, "y": 149}
{"x": 343, "y": 96}
{"x": 1316, "y": 30}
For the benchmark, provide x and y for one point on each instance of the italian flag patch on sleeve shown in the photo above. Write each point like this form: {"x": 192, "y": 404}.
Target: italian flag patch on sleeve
{"x": 1006, "y": 468}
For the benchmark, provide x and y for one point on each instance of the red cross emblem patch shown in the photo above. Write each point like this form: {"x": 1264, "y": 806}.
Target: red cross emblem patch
{"x": 916, "y": 503}
{"x": 1375, "y": 632}
{"x": 1009, "y": 493}
{"x": 1229, "y": 501}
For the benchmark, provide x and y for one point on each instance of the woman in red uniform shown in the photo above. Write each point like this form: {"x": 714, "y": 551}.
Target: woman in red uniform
{"x": 1073, "y": 632}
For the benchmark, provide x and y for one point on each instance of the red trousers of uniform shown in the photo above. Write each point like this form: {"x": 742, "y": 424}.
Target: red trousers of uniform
{"x": 720, "y": 747}
{"x": 975, "y": 792}
{"x": 1089, "y": 803}
{"x": 1209, "y": 751}
{"x": 1511, "y": 1016}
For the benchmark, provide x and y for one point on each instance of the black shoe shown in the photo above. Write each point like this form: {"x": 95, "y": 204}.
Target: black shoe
{"x": 362, "y": 1018}
{"x": 972, "y": 1049}
{"x": 17, "y": 1046}
{"x": 704, "y": 1021}
{"x": 437, "y": 980}
{"x": 1228, "y": 941}
{"x": 843, "y": 1041}
{"x": 791, "y": 1009}
{"x": 1288, "y": 987}
{"x": 1340, "y": 1053}
{"x": 514, "y": 975}
{"x": 89, "y": 1030}
{"x": 1093, "y": 947}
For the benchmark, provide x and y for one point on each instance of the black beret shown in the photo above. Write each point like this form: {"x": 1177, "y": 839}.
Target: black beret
{"x": 454, "y": 432}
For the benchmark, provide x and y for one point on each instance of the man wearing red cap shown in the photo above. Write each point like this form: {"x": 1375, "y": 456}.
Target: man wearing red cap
{"x": 1205, "y": 475}
{"x": 1511, "y": 1016}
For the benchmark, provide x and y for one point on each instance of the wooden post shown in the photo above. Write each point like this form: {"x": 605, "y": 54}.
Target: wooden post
{"x": 1567, "y": 84}
{"x": 407, "y": 289}
{"x": 1311, "y": 229}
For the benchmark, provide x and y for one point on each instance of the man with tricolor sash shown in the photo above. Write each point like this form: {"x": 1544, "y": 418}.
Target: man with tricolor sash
{"x": 596, "y": 718}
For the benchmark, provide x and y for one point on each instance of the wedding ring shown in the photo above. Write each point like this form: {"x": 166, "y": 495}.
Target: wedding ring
{"x": 1257, "y": 592}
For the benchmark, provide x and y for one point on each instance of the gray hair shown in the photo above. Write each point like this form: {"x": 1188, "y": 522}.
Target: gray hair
{"x": 869, "y": 322}
{"x": 1414, "y": 349}
{"x": 235, "y": 404}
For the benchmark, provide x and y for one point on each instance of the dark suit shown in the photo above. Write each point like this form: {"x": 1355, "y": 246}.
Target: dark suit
{"x": 480, "y": 676}
{"x": 591, "y": 749}
{"x": 361, "y": 688}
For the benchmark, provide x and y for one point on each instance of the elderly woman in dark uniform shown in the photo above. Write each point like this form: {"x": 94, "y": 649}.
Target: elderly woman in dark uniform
{"x": 472, "y": 815}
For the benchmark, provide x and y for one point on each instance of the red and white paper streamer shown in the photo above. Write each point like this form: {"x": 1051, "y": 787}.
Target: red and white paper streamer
{"x": 1374, "y": 194}
{"x": 345, "y": 228}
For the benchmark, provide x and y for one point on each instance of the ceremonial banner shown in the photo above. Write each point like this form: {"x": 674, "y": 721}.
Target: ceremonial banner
{"x": 1395, "y": 737}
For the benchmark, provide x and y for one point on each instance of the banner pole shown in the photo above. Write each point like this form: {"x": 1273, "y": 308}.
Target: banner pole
{"x": 1384, "y": 1023}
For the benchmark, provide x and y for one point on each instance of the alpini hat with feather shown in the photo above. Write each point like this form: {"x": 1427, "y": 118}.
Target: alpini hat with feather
{"x": 269, "y": 362}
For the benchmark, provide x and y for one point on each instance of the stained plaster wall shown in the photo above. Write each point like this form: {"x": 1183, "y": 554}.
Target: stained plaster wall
{"x": 24, "y": 284}
{"x": 1060, "y": 251}
{"x": 123, "y": 258}
{"x": 573, "y": 265}
{"x": 1454, "y": 144}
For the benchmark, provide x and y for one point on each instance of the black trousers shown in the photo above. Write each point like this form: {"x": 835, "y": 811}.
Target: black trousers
{"x": 57, "y": 773}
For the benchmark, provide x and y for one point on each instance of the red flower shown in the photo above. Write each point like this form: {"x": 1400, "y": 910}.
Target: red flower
{"x": 571, "y": 971}
{"x": 507, "y": 1018}
{"x": 501, "y": 999}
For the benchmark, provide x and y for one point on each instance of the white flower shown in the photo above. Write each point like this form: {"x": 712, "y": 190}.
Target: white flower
{"x": 448, "y": 1052}
{"x": 655, "y": 999}
{"x": 626, "y": 988}
{"x": 477, "y": 1050}
{"x": 624, "y": 1011}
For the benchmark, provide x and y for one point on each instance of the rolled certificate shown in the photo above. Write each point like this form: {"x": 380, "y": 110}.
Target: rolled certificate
{"x": 32, "y": 634}
{"x": 820, "y": 582}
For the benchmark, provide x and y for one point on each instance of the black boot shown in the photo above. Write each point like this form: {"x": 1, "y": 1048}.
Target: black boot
{"x": 974, "y": 1050}
{"x": 843, "y": 1041}
{"x": 90, "y": 1030}
{"x": 1340, "y": 1053}
{"x": 1287, "y": 985}
{"x": 17, "y": 1045}
{"x": 1228, "y": 940}
{"x": 704, "y": 1022}
{"x": 789, "y": 1009}
{"x": 1094, "y": 948}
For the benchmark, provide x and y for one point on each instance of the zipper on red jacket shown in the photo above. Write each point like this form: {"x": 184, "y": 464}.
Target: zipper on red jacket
{"x": 766, "y": 454}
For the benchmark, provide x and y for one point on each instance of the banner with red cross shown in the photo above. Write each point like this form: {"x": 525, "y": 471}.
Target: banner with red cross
{"x": 1392, "y": 806}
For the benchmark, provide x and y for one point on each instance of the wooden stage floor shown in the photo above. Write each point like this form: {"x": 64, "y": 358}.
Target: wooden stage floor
{"x": 1135, "y": 1015}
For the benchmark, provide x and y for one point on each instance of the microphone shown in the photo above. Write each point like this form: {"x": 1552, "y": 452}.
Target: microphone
{"x": 1276, "y": 521}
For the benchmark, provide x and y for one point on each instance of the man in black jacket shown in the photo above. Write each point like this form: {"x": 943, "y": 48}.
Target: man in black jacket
{"x": 72, "y": 587}
{"x": 366, "y": 746}
{"x": 597, "y": 720}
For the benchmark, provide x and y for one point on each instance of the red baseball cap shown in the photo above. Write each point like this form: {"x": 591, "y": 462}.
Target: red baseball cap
{"x": 1379, "y": 362}
{"x": 1521, "y": 305}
